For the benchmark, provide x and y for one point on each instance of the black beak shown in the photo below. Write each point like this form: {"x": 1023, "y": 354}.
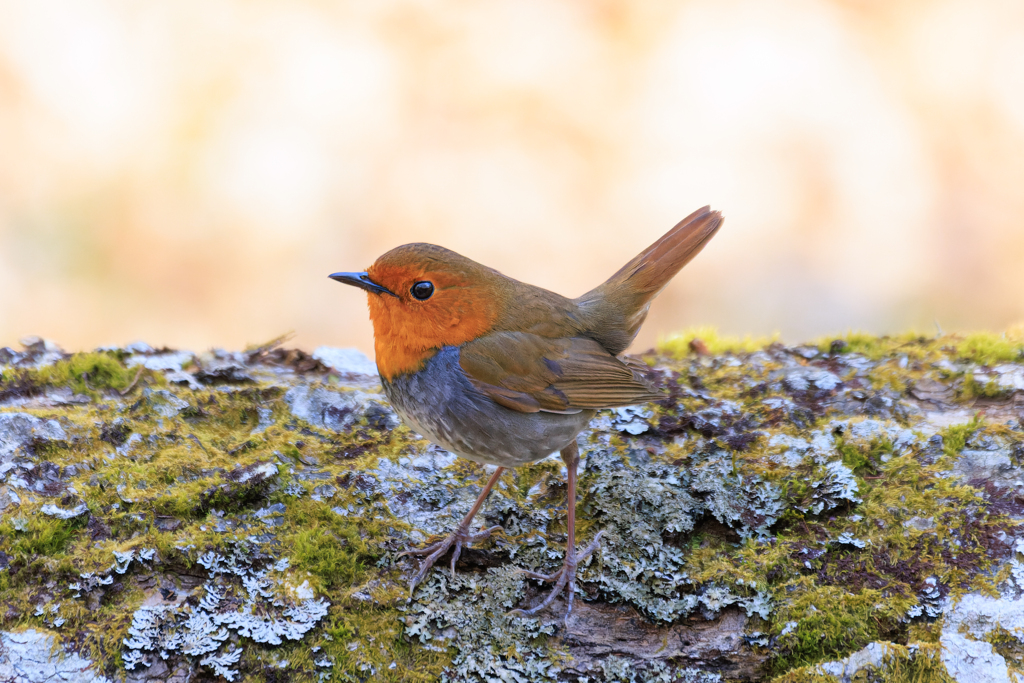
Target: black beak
{"x": 362, "y": 281}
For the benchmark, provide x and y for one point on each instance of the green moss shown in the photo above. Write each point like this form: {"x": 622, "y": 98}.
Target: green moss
{"x": 972, "y": 388}
{"x": 954, "y": 437}
{"x": 891, "y": 376}
{"x": 40, "y": 535}
{"x": 831, "y": 624}
{"x": 1008, "y": 645}
{"x": 88, "y": 373}
{"x": 329, "y": 557}
{"x": 925, "y": 632}
{"x": 921, "y": 663}
{"x": 864, "y": 459}
{"x": 988, "y": 348}
{"x": 805, "y": 675}
{"x": 177, "y": 470}
{"x": 678, "y": 345}
{"x": 364, "y": 636}
{"x": 984, "y": 348}
{"x": 847, "y": 612}
{"x": 911, "y": 344}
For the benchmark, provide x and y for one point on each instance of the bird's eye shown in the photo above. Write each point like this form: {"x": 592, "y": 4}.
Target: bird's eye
{"x": 422, "y": 290}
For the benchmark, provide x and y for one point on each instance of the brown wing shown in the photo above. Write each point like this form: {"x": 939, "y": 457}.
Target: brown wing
{"x": 529, "y": 373}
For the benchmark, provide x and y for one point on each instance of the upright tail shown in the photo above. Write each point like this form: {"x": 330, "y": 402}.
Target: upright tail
{"x": 615, "y": 310}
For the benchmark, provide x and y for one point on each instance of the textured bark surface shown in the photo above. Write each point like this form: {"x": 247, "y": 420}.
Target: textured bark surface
{"x": 800, "y": 513}
{"x": 600, "y": 631}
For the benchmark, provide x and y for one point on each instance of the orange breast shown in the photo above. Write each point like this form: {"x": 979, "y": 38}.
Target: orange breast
{"x": 408, "y": 332}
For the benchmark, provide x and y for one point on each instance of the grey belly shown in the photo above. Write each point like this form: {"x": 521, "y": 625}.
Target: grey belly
{"x": 441, "y": 404}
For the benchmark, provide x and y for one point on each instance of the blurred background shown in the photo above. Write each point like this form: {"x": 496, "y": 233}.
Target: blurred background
{"x": 188, "y": 173}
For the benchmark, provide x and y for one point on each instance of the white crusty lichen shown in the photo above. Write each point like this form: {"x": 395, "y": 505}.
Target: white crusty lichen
{"x": 736, "y": 499}
{"x": 641, "y": 503}
{"x": 243, "y": 598}
{"x": 222, "y": 663}
{"x": 834, "y": 484}
{"x": 621, "y": 670}
{"x": 470, "y": 614}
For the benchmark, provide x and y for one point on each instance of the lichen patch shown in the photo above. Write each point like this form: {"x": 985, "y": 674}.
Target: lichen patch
{"x": 856, "y": 501}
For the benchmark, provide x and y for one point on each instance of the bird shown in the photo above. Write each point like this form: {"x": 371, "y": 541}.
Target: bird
{"x": 505, "y": 373}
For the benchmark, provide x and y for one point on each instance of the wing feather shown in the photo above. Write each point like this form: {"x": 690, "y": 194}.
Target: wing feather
{"x": 530, "y": 373}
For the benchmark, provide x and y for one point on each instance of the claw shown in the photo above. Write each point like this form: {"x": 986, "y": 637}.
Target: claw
{"x": 459, "y": 538}
{"x": 564, "y": 579}
{"x": 539, "y": 576}
{"x": 455, "y": 556}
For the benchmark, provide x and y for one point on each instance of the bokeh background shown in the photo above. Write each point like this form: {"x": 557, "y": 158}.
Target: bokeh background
{"x": 189, "y": 172}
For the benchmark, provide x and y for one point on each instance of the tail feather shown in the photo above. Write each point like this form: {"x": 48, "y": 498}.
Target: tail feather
{"x": 617, "y": 308}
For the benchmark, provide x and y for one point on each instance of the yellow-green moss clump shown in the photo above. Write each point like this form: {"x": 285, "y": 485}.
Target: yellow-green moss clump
{"x": 87, "y": 373}
{"x": 821, "y": 499}
{"x": 983, "y": 348}
{"x": 710, "y": 340}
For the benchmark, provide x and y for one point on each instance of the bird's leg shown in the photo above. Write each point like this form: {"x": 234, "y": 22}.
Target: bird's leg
{"x": 565, "y": 578}
{"x": 458, "y": 538}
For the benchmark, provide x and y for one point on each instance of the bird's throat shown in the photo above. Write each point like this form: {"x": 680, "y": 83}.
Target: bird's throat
{"x": 406, "y": 336}
{"x": 394, "y": 359}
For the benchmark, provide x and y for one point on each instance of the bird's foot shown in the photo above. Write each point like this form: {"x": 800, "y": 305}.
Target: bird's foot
{"x": 458, "y": 538}
{"x": 564, "y": 579}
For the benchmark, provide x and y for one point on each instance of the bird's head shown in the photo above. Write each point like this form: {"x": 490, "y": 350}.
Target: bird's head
{"x": 423, "y": 297}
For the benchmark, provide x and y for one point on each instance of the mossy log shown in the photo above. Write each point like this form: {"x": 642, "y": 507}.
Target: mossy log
{"x": 848, "y": 510}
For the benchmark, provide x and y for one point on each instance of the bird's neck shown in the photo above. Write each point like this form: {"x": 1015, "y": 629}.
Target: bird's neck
{"x": 405, "y": 337}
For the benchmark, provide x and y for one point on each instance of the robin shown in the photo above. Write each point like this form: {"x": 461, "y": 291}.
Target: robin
{"x": 505, "y": 373}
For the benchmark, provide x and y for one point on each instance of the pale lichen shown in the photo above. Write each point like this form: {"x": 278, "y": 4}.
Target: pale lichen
{"x": 244, "y": 596}
{"x": 816, "y": 499}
